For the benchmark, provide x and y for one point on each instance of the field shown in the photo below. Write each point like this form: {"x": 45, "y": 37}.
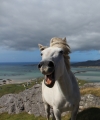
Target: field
{"x": 88, "y": 114}
{"x": 21, "y": 116}
{"x": 93, "y": 91}
{"x": 24, "y": 116}
{"x": 16, "y": 88}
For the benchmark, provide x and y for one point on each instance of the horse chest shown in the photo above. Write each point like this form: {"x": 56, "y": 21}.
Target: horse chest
{"x": 62, "y": 102}
{"x": 55, "y": 97}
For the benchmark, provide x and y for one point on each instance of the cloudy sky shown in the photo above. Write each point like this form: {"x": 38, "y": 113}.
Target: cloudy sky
{"x": 25, "y": 23}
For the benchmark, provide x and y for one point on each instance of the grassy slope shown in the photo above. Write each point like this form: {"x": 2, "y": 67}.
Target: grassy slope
{"x": 25, "y": 116}
{"x": 88, "y": 114}
{"x": 16, "y": 88}
{"x": 12, "y": 88}
{"x": 91, "y": 90}
{"x": 21, "y": 116}
{"x": 94, "y": 91}
{"x": 81, "y": 82}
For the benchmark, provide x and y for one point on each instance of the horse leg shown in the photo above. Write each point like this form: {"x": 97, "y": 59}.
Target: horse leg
{"x": 74, "y": 112}
{"x": 47, "y": 110}
{"x": 57, "y": 114}
{"x": 53, "y": 117}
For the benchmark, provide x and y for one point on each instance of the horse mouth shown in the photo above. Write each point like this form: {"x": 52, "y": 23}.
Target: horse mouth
{"x": 49, "y": 80}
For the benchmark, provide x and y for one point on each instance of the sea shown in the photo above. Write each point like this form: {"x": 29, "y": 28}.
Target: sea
{"x": 23, "y": 71}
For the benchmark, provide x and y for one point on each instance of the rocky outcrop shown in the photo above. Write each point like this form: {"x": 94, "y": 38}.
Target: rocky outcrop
{"x": 89, "y": 100}
{"x": 31, "y": 102}
{"x": 94, "y": 85}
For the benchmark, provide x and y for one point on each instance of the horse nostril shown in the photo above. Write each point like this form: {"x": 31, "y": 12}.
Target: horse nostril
{"x": 40, "y": 64}
{"x": 46, "y": 63}
{"x": 50, "y": 64}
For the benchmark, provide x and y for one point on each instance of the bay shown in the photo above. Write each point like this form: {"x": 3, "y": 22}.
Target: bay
{"x": 23, "y": 71}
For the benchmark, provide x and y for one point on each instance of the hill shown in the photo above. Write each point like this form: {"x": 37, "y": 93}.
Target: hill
{"x": 87, "y": 63}
{"x": 28, "y": 105}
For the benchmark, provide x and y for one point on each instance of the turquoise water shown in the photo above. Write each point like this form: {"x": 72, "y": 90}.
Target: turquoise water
{"x": 28, "y": 71}
{"x": 90, "y": 74}
{"x": 19, "y": 71}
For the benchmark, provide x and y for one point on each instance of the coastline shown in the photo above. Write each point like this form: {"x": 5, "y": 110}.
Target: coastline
{"x": 87, "y": 73}
{"x": 9, "y": 81}
{"x": 86, "y": 67}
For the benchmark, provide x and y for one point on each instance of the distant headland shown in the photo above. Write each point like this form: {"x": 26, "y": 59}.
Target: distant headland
{"x": 87, "y": 63}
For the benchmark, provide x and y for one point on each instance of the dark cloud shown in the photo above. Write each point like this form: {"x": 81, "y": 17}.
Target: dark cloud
{"x": 25, "y": 23}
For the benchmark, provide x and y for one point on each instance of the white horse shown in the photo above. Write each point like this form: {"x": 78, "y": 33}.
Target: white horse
{"x": 59, "y": 87}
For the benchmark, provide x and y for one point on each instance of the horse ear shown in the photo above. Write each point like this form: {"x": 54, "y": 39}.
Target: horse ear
{"x": 64, "y": 39}
{"x": 41, "y": 47}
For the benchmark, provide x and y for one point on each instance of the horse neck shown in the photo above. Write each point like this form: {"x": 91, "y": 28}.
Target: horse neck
{"x": 65, "y": 84}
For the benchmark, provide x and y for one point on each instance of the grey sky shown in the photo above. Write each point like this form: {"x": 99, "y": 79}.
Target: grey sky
{"x": 25, "y": 23}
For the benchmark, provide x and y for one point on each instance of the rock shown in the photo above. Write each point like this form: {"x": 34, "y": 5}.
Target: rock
{"x": 95, "y": 85}
{"x": 89, "y": 100}
{"x": 29, "y": 101}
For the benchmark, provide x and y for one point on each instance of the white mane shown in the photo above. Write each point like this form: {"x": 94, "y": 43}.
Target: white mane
{"x": 62, "y": 43}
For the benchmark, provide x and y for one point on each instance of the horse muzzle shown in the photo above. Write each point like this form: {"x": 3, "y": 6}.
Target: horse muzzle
{"x": 47, "y": 68}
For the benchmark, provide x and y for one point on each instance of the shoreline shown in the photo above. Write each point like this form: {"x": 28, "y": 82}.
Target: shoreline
{"x": 35, "y": 80}
{"x": 78, "y": 74}
{"x": 86, "y": 67}
{"x": 9, "y": 81}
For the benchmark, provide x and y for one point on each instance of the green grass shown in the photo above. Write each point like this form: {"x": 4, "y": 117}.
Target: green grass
{"x": 25, "y": 116}
{"x": 11, "y": 88}
{"x": 91, "y": 90}
{"x": 81, "y": 82}
{"x": 87, "y": 114}
{"x": 16, "y": 88}
{"x": 21, "y": 116}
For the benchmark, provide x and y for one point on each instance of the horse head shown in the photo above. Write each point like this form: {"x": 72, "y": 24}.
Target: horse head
{"x": 52, "y": 64}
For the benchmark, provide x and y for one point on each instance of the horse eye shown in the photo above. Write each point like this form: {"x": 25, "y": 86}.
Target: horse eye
{"x": 61, "y": 52}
